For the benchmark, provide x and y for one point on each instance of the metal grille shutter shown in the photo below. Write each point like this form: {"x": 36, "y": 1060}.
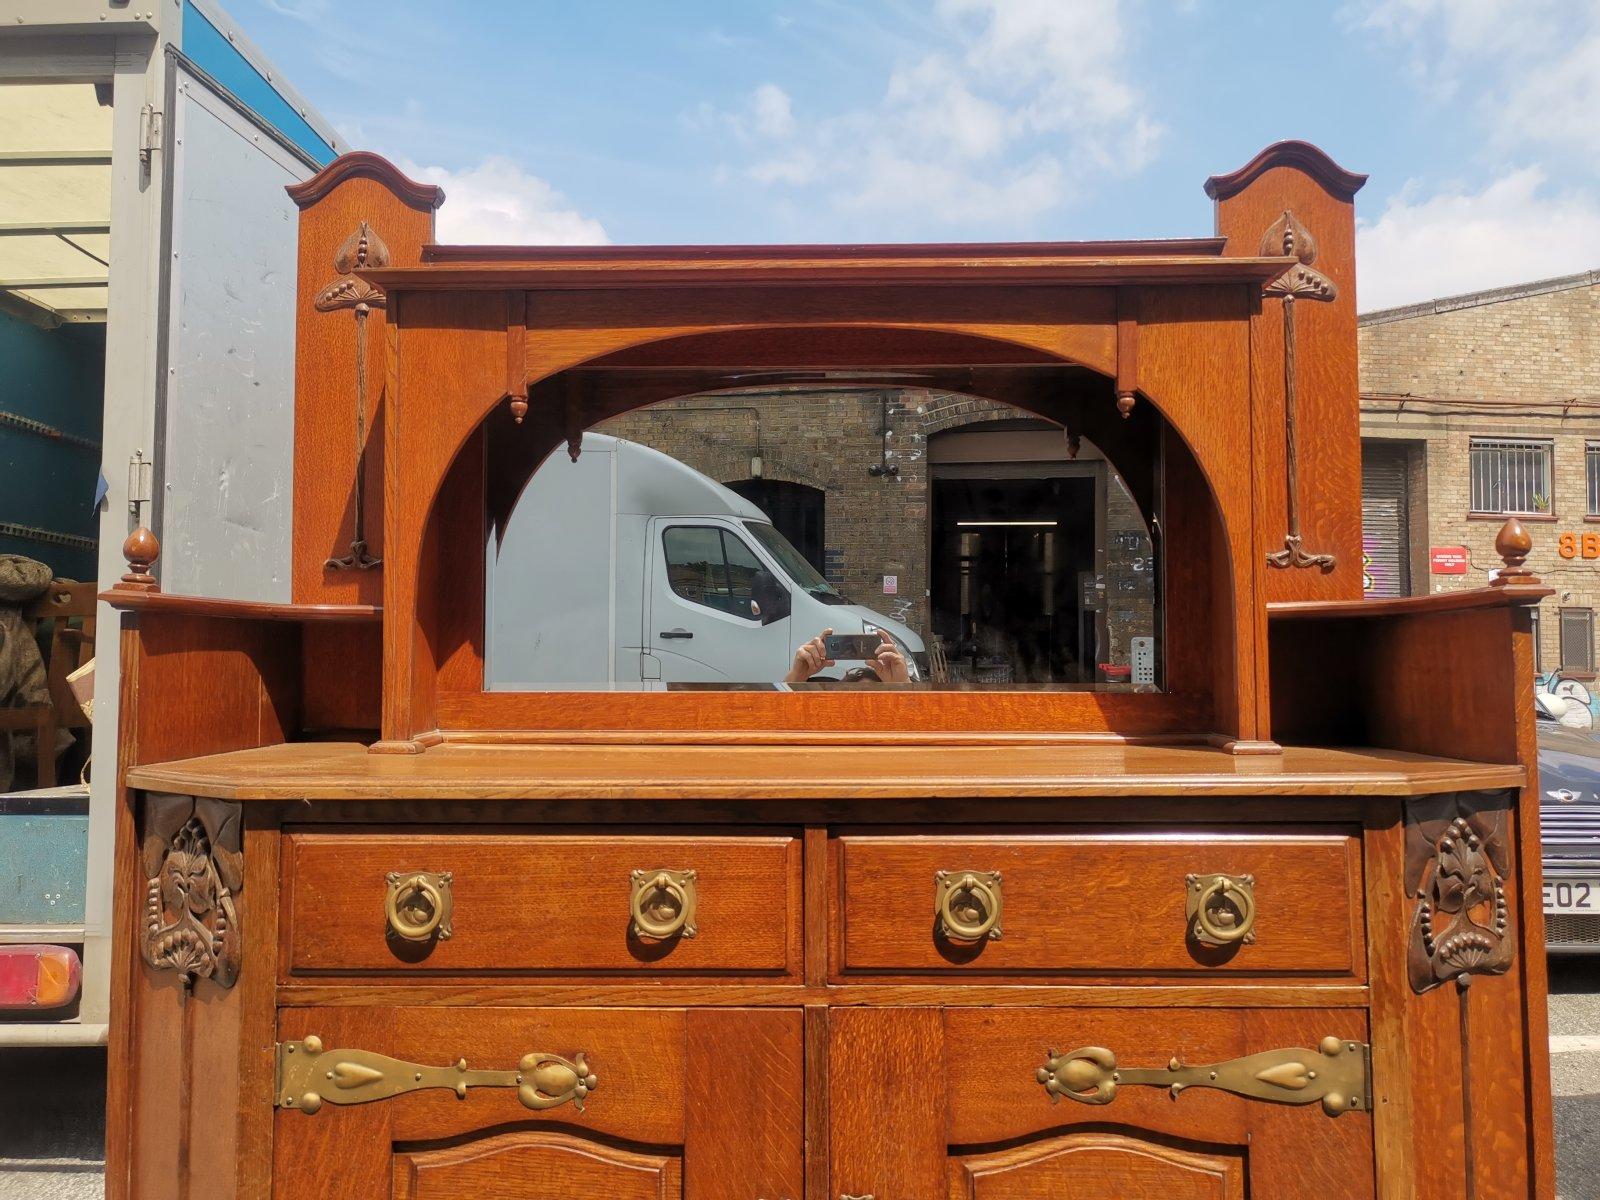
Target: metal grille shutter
{"x": 1385, "y": 520}
{"x": 1577, "y": 639}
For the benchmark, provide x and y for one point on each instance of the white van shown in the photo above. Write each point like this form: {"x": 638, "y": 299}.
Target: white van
{"x": 630, "y": 569}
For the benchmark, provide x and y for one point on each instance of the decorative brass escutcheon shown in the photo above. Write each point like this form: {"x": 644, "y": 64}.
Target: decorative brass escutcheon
{"x": 418, "y": 905}
{"x": 1222, "y": 909}
{"x": 968, "y": 904}
{"x": 663, "y": 904}
{"x": 1338, "y": 1073}
{"x": 309, "y": 1077}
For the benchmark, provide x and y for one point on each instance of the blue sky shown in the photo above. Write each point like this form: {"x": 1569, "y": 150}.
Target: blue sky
{"x": 939, "y": 120}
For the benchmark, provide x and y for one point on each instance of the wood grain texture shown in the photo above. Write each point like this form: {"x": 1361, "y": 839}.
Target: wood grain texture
{"x": 1393, "y": 1114}
{"x": 1135, "y": 1168}
{"x": 638, "y": 1056}
{"x": 886, "y": 1102}
{"x": 548, "y": 903}
{"x": 348, "y": 1156}
{"x": 1329, "y": 442}
{"x": 745, "y": 1104}
{"x": 325, "y": 378}
{"x": 990, "y": 1058}
{"x": 256, "y": 1033}
{"x": 1101, "y": 903}
{"x": 336, "y": 771}
{"x": 169, "y": 604}
{"x": 1110, "y": 991}
{"x": 1534, "y": 1039}
{"x": 534, "y": 1165}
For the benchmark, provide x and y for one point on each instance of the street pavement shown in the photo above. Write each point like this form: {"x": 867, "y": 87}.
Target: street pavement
{"x": 52, "y": 1116}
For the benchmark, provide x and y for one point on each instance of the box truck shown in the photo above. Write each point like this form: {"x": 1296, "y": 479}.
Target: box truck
{"x": 148, "y": 256}
{"x": 630, "y": 569}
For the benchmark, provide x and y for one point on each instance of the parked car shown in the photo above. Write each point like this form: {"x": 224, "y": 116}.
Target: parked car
{"x": 1569, "y": 813}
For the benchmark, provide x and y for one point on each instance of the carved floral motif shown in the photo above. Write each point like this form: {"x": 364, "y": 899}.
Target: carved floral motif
{"x": 193, "y": 869}
{"x": 1458, "y": 865}
{"x": 361, "y": 250}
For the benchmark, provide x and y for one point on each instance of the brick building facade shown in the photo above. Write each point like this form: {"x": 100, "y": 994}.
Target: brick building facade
{"x": 868, "y": 453}
{"x": 1475, "y": 406}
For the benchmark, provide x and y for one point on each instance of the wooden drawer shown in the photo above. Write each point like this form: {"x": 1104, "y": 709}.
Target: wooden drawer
{"x": 548, "y": 903}
{"x": 1099, "y": 902}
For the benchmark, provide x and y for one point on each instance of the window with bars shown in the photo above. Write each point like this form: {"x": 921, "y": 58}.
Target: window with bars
{"x": 1591, "y": 471}
{"x": 1510, "y": 475}
{"x": 1577, "y": 640}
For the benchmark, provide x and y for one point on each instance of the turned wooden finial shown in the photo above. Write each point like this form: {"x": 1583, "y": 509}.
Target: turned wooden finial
{"x": 1125, "y": 403}
{"x": 1512, "y": 544}
{"x": 141, "y": 550}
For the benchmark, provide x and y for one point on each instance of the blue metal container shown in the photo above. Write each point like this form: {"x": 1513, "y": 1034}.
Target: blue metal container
{"x": 44, "y": 857}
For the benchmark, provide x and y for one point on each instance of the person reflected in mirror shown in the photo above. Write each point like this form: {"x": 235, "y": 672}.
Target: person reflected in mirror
{"x": 888, "y": 664}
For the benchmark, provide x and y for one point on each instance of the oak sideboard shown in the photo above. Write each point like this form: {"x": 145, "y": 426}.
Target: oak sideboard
{"x": 1269, "y": 929}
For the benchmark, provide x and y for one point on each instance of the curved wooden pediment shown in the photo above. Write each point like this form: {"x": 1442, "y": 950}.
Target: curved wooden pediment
{"x": 536, "y": 1165}
{"x": 1103, "y": 1164}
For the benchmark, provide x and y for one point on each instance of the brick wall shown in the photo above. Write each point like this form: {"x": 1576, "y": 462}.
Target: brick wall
{"x": 1514, "y": 363}
{"x": 875, "y": 525}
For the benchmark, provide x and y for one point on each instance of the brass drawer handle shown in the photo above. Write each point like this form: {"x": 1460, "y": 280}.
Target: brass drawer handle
{"x": 663, "y": 904}
{"x": 418, "y": 905}
{"x": 1222, "y": 909}
{"x": 968, "y": 904}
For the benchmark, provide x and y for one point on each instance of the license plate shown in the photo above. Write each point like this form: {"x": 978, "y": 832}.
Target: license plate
{"x": 1572, "y": 896}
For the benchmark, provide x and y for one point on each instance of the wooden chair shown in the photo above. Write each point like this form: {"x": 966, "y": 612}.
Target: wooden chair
{"x": 69, "y": 608}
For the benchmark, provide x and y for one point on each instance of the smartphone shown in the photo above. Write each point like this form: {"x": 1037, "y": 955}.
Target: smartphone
{"x": 845, "y": 646}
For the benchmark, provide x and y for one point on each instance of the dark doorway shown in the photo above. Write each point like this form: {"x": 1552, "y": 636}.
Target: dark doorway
{"x": 797, "y": 511}
{"x": 1011, "y": 562}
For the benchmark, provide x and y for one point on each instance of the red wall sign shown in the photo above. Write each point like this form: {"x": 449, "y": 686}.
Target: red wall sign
{"x": 1448, "y": 560}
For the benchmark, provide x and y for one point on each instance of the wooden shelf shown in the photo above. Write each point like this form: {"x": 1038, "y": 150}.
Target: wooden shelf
{"x": 1465, "y": 599}
{"x": 347, "y": 771}
{"x": 203, "y": 606}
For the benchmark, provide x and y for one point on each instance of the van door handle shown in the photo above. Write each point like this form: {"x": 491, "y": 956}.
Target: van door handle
{"x": 670, "y": 634}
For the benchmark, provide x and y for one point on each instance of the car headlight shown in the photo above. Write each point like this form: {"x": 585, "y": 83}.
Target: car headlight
{"x": 913, "y": 667}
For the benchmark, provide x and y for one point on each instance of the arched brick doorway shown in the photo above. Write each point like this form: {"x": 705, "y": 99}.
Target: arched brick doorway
{"x": 798, "y": 510}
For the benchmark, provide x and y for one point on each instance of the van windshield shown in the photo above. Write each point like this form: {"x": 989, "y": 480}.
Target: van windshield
{"x": 795, "y": 564}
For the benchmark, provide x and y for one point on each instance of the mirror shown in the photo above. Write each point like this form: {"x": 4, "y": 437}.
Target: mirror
{"x": 706, "y": 542}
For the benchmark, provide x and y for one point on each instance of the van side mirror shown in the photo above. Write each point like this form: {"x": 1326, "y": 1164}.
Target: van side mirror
{"x": 772, "y": 599}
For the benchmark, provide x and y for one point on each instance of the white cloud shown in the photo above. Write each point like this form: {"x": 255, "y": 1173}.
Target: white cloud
{"x": 994, "y": 117}
{"x": 1515, "y": 230}
{"x": 774, "y": 116}
{"x": 497, "y": 202}
{"x": 1528, "y": 69}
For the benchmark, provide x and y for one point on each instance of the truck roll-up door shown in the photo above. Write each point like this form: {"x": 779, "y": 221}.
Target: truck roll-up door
{"x": 1385, "y": 520}
{"x": 225, "y": 392}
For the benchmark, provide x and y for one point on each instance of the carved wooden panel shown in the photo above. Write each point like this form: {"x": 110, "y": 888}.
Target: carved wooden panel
{"x": 1458, "y": 873}
{"x": 536, "y": 1165}
{"x": 1101, "y": 1164}
{"x": 193, "y": 868}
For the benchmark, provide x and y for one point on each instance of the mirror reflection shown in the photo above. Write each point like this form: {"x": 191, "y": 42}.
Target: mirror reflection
{"x": 835, "y": 539}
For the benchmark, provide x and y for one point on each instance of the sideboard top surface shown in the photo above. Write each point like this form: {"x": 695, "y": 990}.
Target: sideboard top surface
{"x": 455, "y": 771}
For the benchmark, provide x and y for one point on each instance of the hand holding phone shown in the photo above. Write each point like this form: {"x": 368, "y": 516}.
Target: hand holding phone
{"x": 852, "y": 645}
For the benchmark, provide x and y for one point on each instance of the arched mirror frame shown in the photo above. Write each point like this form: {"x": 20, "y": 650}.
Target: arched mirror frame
{"x": 462, "y": 350}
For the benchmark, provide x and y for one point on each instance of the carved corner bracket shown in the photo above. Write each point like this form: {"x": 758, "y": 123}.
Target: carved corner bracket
{"x": 194, "y": 869}
{"x": 1288, "y": 237}
{"x": 1458, "y": 868}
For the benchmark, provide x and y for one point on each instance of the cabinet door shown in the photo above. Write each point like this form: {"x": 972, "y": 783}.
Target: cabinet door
{"x": 953, "y": 1103}
{"x": 702, "y": 1104}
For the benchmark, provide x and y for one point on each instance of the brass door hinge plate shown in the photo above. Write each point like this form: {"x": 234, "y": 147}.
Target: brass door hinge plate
{"x": 1337, "y": 1072}
{"x": 309, "y": 1077}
